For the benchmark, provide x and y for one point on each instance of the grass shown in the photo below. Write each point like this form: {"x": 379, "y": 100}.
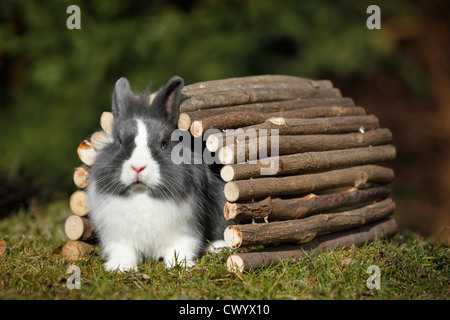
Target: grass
{"x": 412, "y": 267}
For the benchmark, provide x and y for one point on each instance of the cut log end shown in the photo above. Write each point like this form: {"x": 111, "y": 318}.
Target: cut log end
{"x": 227, "y": 173}
{"x": 231, "y": 191}
{"x": 100, "y": 139}
{"x": 86, "y": 153}
{"x": 230, "y": 211}
{"x": 213, "y": 142}
{"x": 233, "y": 237}
{"x": 75, "y": 250}
{"x": 80, "y": 177}
{"x": 74, "y": 227}
{"x": 197, "y": 128}
{"x": 79, "y": 203}
{"x": 184, "y": 121}
{"x": 235, "y": 264}
{"x": 79, "y": 228}
{"x": 226, "y": 155}
{"x": 106, "y": 122}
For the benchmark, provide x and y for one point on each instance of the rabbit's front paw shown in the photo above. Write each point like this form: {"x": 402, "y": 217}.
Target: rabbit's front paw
{"x": 182, "y": 255}
{"x": 184, "y": 263}
{"x": 120, "y": 266}
{"x": 120, "y": 257}
{"x": 216, "y": 246}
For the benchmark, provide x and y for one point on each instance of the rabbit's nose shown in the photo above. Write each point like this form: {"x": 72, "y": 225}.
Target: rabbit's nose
{"x": 138, "y": 169}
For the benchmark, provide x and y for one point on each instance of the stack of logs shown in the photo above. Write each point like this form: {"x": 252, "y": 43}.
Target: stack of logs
{"x": 328, "y": 186}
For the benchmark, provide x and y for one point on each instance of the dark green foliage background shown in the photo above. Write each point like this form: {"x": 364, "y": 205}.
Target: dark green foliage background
{"x": 55, "y": 82}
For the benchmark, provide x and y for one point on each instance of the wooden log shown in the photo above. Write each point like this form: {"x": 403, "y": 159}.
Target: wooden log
{"x": 299, "y": 208}
{"x": 100, "y": 139}
{"x": 319, "y": 125}
{"x": 250, "y": 149}
{"x": 86, "y": 153}
{"x": 76, "y": 250}
{"x": 186, "y": 118}
{"x": 266, "y": 93}
{"x": 188, "y": 91}
{"x": 107, "y": 121}
{"x": 304, "y": 230}
{"x": 79, "y": 203}
{"x": 329, "y": 125}
{"x": 318, "y": 112}
{"x": 184, "y": 121}
{"x": 79, "y": 228}
{"x": 307, "y": 183}
{"x": 306, "y": 162}
{"x": 260, "y": 79}
{"x": 231, "y": 120}
{"x": 383, "y": 229}
{"x": 81, "y": 176}
{"x": 242, "y": 119}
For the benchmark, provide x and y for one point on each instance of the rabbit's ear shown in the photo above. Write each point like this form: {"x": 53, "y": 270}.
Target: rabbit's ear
{"x": 122, "y": 93}
{"x": 166, "y": 103}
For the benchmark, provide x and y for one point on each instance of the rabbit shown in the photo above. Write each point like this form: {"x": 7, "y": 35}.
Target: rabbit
{"x": 143, "y": 205}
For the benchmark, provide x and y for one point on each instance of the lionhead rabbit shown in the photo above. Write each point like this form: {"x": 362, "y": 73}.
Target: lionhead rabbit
{"x": 141, "y": 203}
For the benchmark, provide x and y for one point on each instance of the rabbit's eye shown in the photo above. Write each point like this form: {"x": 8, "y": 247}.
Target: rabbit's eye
{"x": 120, "y": 141}
{"x": 163, "y": 144}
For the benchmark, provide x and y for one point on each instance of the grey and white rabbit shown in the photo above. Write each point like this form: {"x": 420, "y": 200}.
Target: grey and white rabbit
{"x": 142, "y": 204}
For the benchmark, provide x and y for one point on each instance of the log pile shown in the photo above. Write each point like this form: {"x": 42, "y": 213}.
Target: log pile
{"x": 78, "y": 228}
{"x": 327, "y": 183}
{"x": 305, "y": 168}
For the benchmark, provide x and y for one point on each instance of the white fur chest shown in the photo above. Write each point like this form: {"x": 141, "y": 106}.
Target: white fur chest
{"x": 150, "y": 227}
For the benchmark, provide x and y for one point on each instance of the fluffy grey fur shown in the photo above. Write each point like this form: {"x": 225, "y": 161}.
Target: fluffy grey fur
{"x": 179, "y": 182}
